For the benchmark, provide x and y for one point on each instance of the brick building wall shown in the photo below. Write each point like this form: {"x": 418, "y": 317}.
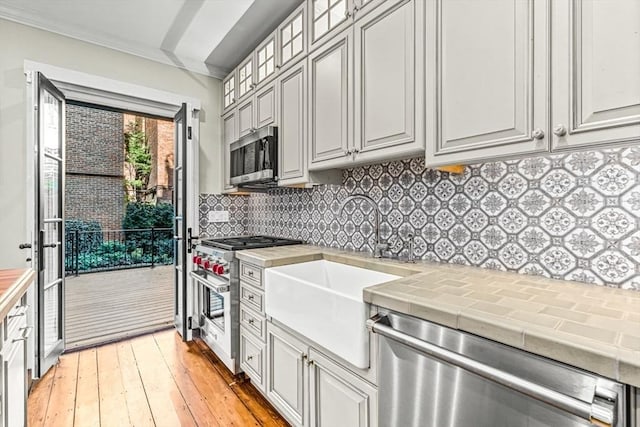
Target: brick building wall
{"x": 94, "y": 166}
{"x": 160, "y": 135}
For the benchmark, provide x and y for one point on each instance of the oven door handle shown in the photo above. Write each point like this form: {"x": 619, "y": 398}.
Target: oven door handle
{"x": 217, "y": 287}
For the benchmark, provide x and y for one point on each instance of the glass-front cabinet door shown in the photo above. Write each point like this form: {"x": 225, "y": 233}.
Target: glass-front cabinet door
{"x": 326, "y": 18}
{"x": 266, "y": 61}
{"x": 293, "y": 41}
{"x": 245, "y": 77}
{"x": 229, "y": 91}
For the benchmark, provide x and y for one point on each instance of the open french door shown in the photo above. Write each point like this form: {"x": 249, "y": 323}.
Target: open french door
{"x": 50, "y": 224}
{"x": 185, "y": 186}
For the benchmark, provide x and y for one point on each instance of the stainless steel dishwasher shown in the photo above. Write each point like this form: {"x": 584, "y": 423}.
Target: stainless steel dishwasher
{"x": 430, "y": 375}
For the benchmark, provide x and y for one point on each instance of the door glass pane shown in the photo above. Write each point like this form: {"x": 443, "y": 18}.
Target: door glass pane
{"x": 214, "y": 307}
{"x": 337, "y": 13}
{"x": 321, "y": 25}
{"x": 51, "y": 330}
{"x": 286, "y": 34}
{"x": 297, "y": 25}
{"x": 51, "y": 124}
{"x": 297, "y": 44}
{"x": 51, "y": 186}
{"x": 320, "y": 6}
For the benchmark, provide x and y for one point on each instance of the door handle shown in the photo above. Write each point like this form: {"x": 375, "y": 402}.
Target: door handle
{"x": 24, "y": 246}
{"x": 190, "y": 240}
{"x": 26, "y": 332}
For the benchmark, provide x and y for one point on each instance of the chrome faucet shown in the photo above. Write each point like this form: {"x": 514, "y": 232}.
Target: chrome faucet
{"x": 378, "y": 247}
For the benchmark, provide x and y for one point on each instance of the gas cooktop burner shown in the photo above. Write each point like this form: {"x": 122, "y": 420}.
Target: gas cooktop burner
{"x": 248, "y": 242}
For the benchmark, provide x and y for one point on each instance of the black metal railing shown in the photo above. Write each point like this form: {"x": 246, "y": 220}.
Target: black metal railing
{"x": 91, "y": 251}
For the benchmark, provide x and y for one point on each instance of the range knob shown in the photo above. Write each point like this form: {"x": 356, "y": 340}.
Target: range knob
{"x": 195, "y": 259}
{"x": 206, "y": 264}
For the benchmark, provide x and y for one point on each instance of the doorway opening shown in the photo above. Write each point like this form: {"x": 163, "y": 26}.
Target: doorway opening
{"x": 118, "y": 224}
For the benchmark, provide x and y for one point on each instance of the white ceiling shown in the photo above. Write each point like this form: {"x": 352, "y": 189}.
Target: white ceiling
{"x": 183, "y": 33}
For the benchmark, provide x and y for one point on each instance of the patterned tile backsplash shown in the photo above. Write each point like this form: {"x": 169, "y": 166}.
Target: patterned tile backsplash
{"x": 567, "y": 216}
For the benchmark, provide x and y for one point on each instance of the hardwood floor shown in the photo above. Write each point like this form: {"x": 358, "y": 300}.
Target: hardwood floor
{"x": 152, "y": 380}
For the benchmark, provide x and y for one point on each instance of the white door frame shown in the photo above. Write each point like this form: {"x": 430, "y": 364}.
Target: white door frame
{"x": 83, "y": 87}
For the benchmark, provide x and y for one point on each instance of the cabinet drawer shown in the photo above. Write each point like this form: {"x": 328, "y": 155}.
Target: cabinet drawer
{"x": 252, "y": 297}
{"x": 251, "y": 273}
{"x": 253, "y": 322}
{"x": 252, "y": 358}
{"x": 16, "y": 319}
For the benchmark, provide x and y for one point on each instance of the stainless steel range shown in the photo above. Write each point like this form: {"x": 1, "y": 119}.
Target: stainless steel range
{"x": 216, "y": 269}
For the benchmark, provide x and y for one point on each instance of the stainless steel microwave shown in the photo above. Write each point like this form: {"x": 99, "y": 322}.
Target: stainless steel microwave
{"x": 254, "y": 157}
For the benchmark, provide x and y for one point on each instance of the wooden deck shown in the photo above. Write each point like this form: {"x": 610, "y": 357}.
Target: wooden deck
{"x": 152, "y": 380}
{"x": 104, "y": 307}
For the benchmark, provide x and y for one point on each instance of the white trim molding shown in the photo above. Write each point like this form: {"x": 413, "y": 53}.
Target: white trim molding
{"x": 94, "y": 89}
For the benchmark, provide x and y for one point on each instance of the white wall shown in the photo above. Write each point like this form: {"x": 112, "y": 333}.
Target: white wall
{"x": 19, "y": 42}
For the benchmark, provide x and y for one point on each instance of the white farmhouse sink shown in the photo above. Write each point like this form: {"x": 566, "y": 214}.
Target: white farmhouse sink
{"x": 322, "y": 300}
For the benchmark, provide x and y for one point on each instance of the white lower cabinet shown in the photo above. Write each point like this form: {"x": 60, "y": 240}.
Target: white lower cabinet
{"x": 311, "y": 389}
{"x": 15, "y": 384}
{"x": 338, "y": 397}
{"x": 13, "y": 366}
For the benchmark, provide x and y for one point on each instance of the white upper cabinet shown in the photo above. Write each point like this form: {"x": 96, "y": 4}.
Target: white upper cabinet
{"x": 245, "y": 77}
{"x": 266, "y": 60}
{"x": 596, "y": 72}
{"x": 229, "y": 91}
{"x": 389, "y": 82}
{"x": 292, "y": 36}
{"x": 330, "y": 109}
{"x": 292, "y": 90}
{"x": 230, "y": 135}
{"x": 487, "y": 80}
{"x": 246, "y": 118}
{"x": 264, "y": 102}
{"x": 327, "y": 18}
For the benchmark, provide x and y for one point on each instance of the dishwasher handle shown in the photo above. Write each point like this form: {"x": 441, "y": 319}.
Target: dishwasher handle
{"x": 600, "y": 412}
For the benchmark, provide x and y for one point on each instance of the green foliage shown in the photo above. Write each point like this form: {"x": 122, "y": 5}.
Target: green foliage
{"x": 138, "y": 158}
{"x": 147, "y": 215}
{"x": 131, "y": 247}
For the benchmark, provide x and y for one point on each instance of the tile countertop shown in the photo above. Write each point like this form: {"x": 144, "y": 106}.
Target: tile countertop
{"x": 13, "y": 284}
{"x": 591, "y": 327}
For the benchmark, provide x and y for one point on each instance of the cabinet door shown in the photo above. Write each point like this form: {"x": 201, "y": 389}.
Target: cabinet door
{"x": 230, "y": 135}
{"x": 15, "y": 386}
{"x": 338, "y": 397}
{"x": 330, "y": 109}
{"x": 326, "y": 19}
{"x": 245, "y": 118}
{"x": 596, "y": 72}
{"x": 487, "y": 79}
{"x": 266, "y": 60}
{"x": 229, "y": 91}
{"x": 292, "y": 113}
{"x": 245, "y": 78}
{"x": 286, "y": 373}
{"x": 292, "y": 37}
{"x": 389, "y": 77}
{"x": 265, "y": 106}
{"x": 252, "y": 358}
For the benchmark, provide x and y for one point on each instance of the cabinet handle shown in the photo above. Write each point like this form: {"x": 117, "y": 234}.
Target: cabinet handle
{"x": 537, "y": 133}
{"x": 25, "y": 334}
{"x": 249, "y": 358}
{"x": 560, "y": 130}
{"x": 22, "y": 311}
{"x": 310, "y": 362}
{"x": 304, "y": 356}
{"x": 250, "y": 297}
{"x": 347, "y": 152}
{"x": 250, "y": 273}
{"x": 347, "y": 14}
{"x": 356, "y": 151}
{"x": 251, "y": 321}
